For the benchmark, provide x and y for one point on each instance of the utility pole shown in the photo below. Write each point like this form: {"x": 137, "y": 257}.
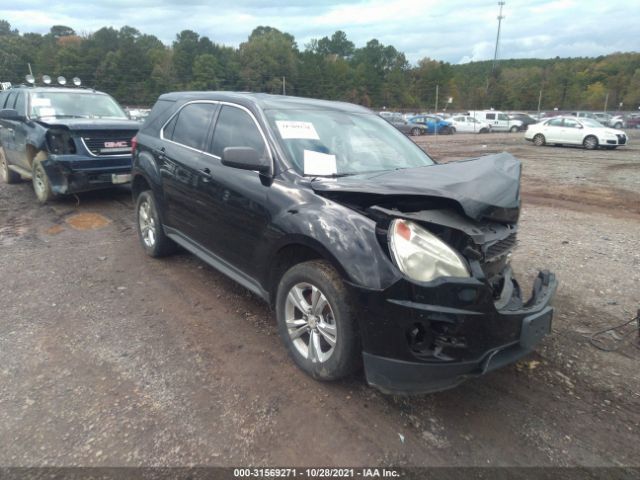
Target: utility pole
{"x": 606, "y": 100}
{"x": 436, "y": 107}
{"x": 539, "y": 102}
{"x": 284, "y": 85}
{"x": 495, "y": 52}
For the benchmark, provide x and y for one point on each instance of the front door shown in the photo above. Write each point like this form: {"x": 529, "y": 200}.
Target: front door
{"x": 236, "y": 216}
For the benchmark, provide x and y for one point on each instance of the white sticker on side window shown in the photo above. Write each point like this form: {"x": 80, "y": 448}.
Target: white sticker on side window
{"x": 41, "y": 102}
{"x": 316, "y": 163}
{"x": 46, "y": 112}
{"x": 301, "y": 130}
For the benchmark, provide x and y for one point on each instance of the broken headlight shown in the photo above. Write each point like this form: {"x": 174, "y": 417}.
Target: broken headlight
{"x": 60, "y": 142}
{"x": 422, "y": 256}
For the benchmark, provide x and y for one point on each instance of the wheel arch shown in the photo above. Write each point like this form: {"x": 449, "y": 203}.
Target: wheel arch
{"x": 297, "y": 250}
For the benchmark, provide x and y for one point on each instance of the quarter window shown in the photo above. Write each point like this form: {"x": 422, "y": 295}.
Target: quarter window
{"x": 236, "y": 128}
{"x": 491, "y": 116}
{"x": 192, "y": 125}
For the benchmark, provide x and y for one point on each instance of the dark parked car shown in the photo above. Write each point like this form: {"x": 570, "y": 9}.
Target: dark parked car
{"x": 525, "y": 118}
{"x": 66, "y": 140}
{"x": 405, "y": 126}
{"x": 370, "y": 251}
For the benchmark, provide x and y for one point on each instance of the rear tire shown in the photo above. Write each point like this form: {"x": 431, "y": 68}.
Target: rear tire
{"x": 8, "y": 175}
{"x": 539, "y": 140}
{"x": 149, "y": 227}
{"x": 316, "y": 322}
{"x": 618, "y": 126}
{"x": 514, "y": 129}
{"x": 416, "y": 132}
{"x": 484, "y": 130}
{"x": 590, "y": 143}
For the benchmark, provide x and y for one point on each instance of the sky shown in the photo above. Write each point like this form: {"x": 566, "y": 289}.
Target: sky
{"x": 455, "y": 31}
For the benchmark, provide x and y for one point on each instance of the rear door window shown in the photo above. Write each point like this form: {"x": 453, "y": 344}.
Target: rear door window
{"x": 192, "y": 125}
{"x": 20, "y": 104}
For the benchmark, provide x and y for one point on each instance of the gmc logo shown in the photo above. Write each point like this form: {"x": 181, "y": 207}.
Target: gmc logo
{"x": 120, "y": 144}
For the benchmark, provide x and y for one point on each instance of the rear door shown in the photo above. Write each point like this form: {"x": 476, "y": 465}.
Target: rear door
{"x": 182, "y": 161}
{"x": 8, "y": 131}
{"x": 553, "y": 130}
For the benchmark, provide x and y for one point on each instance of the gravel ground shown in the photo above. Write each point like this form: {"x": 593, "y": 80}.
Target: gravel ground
{"x": 109, "y": 358}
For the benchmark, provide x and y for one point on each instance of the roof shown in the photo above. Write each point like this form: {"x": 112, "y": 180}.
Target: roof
{"x": 54, "y": 89}
{"x": 266, "y": 101}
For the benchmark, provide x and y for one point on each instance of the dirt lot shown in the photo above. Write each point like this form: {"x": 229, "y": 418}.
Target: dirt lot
{"x": 108, "y": 357}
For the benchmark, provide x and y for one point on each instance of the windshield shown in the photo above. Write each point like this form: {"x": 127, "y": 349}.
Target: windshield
{"x": 74, "y": 105}
{"x": 333, "y": 143}
{"x": 589, "y": 122}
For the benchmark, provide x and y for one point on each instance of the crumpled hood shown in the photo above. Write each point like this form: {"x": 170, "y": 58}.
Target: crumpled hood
{"x": 484, "y": 187}
{"x": 87, "y": 124}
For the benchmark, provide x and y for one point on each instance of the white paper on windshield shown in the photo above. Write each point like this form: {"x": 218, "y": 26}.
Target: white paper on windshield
{"x": 41, "y": 102}
{"x": 316, "y": 163}
{"x": 46, "y": 112}
{"x": 303, "y": 130}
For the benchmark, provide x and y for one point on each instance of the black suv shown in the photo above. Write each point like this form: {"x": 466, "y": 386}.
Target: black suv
{"x": 369, "y": 250}
{"x": 66, "y": 140}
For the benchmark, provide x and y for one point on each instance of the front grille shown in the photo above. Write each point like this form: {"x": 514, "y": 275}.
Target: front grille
{"x": 500, "y": 248}
{"x": 109, "y": 143}
{"x": 622, "y": 139}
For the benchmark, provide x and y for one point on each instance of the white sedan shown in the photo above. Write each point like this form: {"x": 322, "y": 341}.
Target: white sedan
{"x": 575, "y": 131}
{"x": 467, "y": 124}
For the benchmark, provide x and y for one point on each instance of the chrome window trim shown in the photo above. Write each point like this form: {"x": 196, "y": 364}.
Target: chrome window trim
{"x": 218, "y": 102}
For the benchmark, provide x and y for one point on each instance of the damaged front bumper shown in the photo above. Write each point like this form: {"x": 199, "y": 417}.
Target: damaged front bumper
{"x": 74, "y": 173}
{"x": 422, "y": 339}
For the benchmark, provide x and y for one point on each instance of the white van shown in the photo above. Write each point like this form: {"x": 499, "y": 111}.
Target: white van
{"x": 499, "y": 121}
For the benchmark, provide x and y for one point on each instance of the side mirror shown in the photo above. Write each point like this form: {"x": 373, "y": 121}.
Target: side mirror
{"x": 245, "y": 158}
{"x": 11, "y": 114}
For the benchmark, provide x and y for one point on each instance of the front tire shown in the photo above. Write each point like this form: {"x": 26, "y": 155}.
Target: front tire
{"x": 590, "y": 143}
{"x": 8, "y": 175}
{"x": 150, "y": 232}
{"x": 416, "y": 132}
{"x": 514, "y": 129}
{"x": 315, "y": 321}
{"x": 618, "y": 126}
{"x": 41, "y": 183}
{"x": 539, "y": 140}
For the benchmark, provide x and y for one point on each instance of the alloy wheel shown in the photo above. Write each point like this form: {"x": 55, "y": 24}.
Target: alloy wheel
{"x": 310, "y": 322}
{"x": 147, "y": 224}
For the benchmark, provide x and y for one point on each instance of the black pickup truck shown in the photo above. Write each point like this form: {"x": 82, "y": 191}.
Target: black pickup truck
{"x": 66, "y": 140}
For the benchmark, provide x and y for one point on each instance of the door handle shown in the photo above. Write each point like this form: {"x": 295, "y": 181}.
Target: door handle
{"x": 160, "y": 154}
{"x": 206, "y": 178}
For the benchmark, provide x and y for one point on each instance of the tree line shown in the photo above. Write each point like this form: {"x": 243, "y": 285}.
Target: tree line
{"x": 136, "y": 68}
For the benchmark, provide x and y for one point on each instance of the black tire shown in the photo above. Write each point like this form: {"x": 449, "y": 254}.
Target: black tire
{"x": 346, "y": 354}
{"x": 41, "y": 183}
{"x": 416, "y": 132}
{"x": 8, "y": 176}
{"x": 539, "y": 140}
{"x": 514, "y": 129}
{"x": 618, "y": 126}
{"x": 150, "y": 232}
{"x": 590, "y": 142}
{"x": 484, "y": 130}
{"x": 452, "y": 130}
